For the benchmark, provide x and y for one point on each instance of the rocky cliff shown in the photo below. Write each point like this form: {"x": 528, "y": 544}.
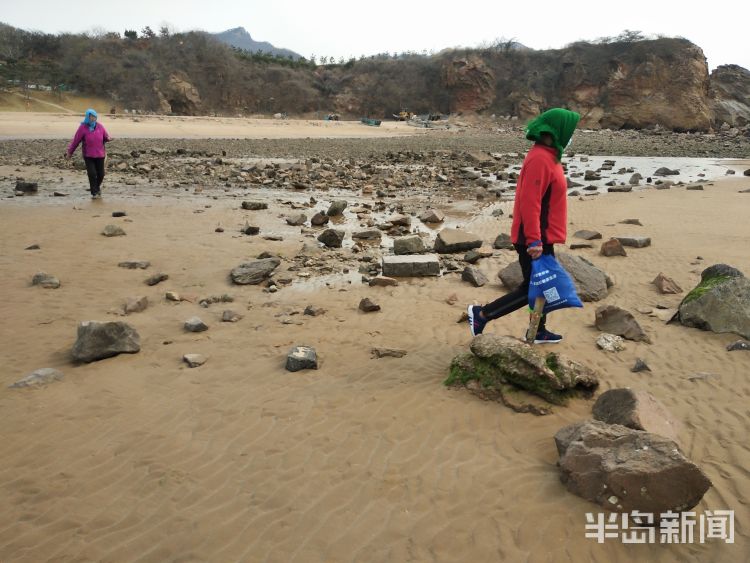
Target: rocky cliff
{"x": 730, "y": 95}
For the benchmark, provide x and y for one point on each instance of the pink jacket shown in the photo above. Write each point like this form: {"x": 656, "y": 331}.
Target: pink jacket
{"x": 93, "y": 141}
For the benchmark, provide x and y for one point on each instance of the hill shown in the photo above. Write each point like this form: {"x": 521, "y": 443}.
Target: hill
{"x": 240, "y": 38}
{"x": 620, "y": 83}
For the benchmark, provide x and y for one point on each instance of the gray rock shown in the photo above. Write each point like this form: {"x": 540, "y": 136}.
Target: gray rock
{"x": 194, "y": 360}
{"x": 135, "y": 264}
{"x": 635, "y": 179}
{"x": 631, "y": 222}
{"x": 432, "y": 216}
{"x": 332, "y": 238}
{"x": 194, "y": 324}
{"x": 38, "y": 378}
{"x": 610, "y": 342}
{"x": 251, "y": 230}
{"x": 388, "y": 353}
{"x": 97, "y": 341}
{"x": 636, "y": 409}
{"x": 319, "y": 219}
{"x": 33, "y": 247}
{"x": 301, "y": 357}
{"x": 119, "y": 214}
{"x": 723, "y": 270}
{"x": 738, "y": 345}
{"x": 592, "y": 284}
{"x": 157, "y": 278}
{"x": 455, "y": 240}
{"x": 370, "y": 234}
{"x": 503, "y": 242}
{"x": 254, "y": 205}
{"x": 612, "y": 247}
{"x": 113, "y": 231}
{"x": 615, "y": 320}
{"x": 639, "y": 366}
{"x": 408, "y": 245}
{"x": 720, "y": 303}
{"x": 45, "y": 280}
{"x": 252, "y": 273}
{"x": 296, "y": 220}
{"x": 383, "y": 281}
{"x": 313, "y": 311}
{"x": 411, "y": 266}
{"x": 27, "y": 188}
{"x": 664, "y": 171}
{"x": 368, "y": 306}
{"x": 400, "y": 220}
{"x": 635, "y": 242}
{"x": 230, "y": 316}
{"x": 578, "y": 245}
{"x": 336, "y": 208}
{"x": 586, "y": 234}
{"x": 474, "y": 276}
{"x": 624, "y": 470}
{"x": 135, "y": 304}
{"x": 619, "y": 189}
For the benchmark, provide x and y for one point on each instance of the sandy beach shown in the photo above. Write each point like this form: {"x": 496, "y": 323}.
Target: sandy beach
{"x": 140, "y": 458}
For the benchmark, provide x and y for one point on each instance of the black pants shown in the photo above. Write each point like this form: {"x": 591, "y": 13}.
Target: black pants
{"x": 95, "y": 170}
{"x": 519, "y": 297}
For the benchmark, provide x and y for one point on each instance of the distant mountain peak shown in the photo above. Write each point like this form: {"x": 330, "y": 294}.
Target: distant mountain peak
{"x": 240, "y": 38}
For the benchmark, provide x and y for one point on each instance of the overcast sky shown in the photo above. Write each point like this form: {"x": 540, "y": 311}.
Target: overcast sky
{"x": 344, "y": 28}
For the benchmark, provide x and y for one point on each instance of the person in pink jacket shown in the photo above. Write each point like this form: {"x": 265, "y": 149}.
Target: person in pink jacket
{"x": 93, "y": 135}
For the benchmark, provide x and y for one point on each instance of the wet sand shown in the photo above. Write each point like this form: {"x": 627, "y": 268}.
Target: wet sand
{"x": 139, "y": 458}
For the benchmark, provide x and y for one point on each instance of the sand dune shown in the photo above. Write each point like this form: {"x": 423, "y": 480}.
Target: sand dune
{"x": 139, "y": 458}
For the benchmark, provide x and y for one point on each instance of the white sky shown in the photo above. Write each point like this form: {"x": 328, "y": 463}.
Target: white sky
{"x": 344, "y": 28}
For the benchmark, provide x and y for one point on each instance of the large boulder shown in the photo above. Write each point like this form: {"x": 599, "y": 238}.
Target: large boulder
{"x": 97, "y": 341}
{"x": 496, "y": 361}
{"x": 635, "y": 409}
{"x": 592, "y": 284}
{"x": 614, "y": 320}
{"x": 622, "y": 469}
{"x": 455, "y": 240}
{"x": 719, "y": 303}
{"x": 252, "y": 273}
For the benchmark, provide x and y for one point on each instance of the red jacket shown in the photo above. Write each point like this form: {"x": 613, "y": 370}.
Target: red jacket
{"x": 540, "y": 211}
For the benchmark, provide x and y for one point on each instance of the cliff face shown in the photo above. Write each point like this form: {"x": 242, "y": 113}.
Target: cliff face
{"x": 625, "y": 85}
{"x": 730, "y": 95}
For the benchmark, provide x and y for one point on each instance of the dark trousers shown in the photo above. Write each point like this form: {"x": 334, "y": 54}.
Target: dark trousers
{"x": 520, "y": 296}
{"x": 95, "y": 170}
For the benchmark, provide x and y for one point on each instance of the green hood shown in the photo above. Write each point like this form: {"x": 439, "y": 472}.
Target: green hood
{"x": 558, "y": 122}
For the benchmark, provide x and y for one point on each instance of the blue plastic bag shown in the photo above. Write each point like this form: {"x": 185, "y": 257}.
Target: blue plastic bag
{"x": 550, "y": 280}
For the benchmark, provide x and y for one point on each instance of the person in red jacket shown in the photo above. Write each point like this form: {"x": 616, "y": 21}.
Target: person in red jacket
{"x": 93, "y": 135}
{"x": 540, "y": 213}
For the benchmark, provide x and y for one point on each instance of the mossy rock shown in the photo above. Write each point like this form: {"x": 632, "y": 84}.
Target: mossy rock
{"x": 499, "y": 361}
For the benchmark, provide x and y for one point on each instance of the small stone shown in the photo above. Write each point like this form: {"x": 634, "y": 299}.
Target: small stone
{"x": 156, "y": 278}
{"x": 194, "y": 360}
{"x": 172, "y": 296}
{"x": 631, "y": 222}
{"x": 666, "y": 285}
{"x": 332, "y": 238}
{"x": 432, "y": 216}
{"x": 408, "y": 245}
{"x": 738, "y": 345}
{"x": 254, "y": 205}
{"x": 503, "y": 242}
{"x": 640, "y": 365}
{"x": 113, "y": 231}
{"x": 219, "y": 230}
{"x": 38, "y": 378}
{"x": 587, "y": 235}
{"x": 26, "y": 188}
{"x": 250, "y": 230}
{"x": 474, "y": 276}
{"x": 614, "y": 320}
{"x": 368, "y": 306}
{"x": 301, "y": 357}
{"x": 612, "y": 247}
{"x": 610, "y": 343}
{"x": 97, "y": 341}
{"x": 135, "y": 264}
{"x": 194, "y": 324}
{"x": 336, "y": 208}
{"x": 119, "y": 214}
{"x": 230, "y": 316}
{"x": 388, "y": 353}
{"x": 635, "y": 242}
{"x": 383, "y": 281}
{"x": 579, "y": 245}
{"x": 45, "y": 280}
{"x": 319, "y": 219}
{"x": 313, "y": 311}
{"x": 296, "y": 220}
{"x": 135, "y": 304}
{"x": 33, "y": 247}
